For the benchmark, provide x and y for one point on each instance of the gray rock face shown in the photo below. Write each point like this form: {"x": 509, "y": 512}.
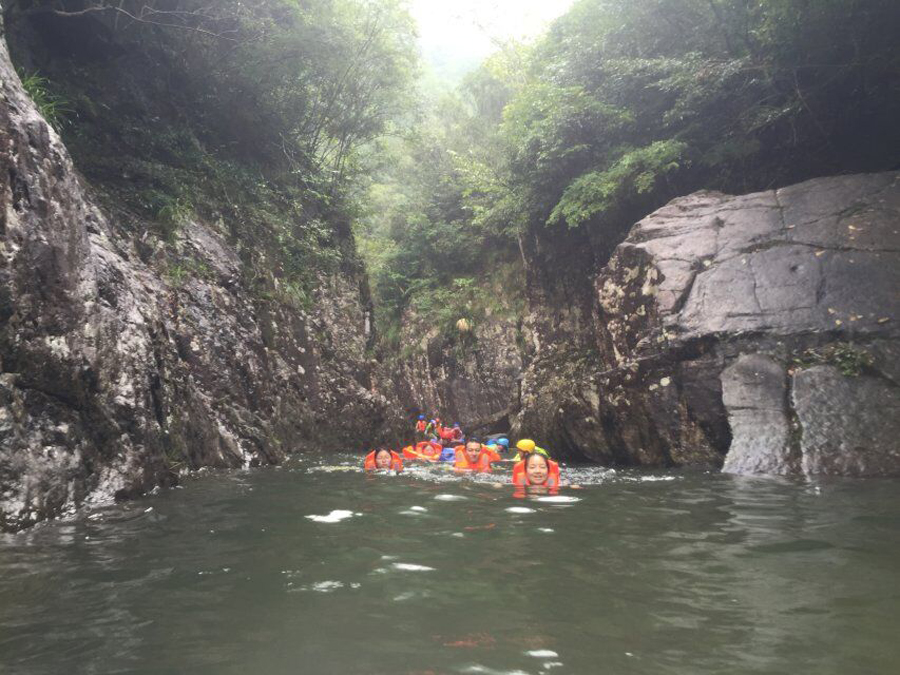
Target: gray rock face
{"x": 850, "y": 426}
{"x": 472, "y": 381}
{"x": 118, "y": 370}
{"x": 715, "y": 324}
{"x": 754, "y": 391}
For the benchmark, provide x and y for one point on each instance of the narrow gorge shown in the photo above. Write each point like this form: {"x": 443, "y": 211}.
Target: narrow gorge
{"x": 756, "y": 333}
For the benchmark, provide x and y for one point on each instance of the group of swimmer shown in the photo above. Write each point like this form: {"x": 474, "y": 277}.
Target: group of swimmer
{"x": 532, "y": 464}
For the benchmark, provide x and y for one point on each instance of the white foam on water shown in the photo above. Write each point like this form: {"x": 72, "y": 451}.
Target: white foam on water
{"x": 450, "y": 498}
{"x": 552, "y": 664}
{"x": 558, "y": 499}
{"x": 335, "y": 469}
{"x": 519, "y": 509}
{"x": 417, "y": 508}
{"x": 388, "y": 557}
{"x": 409, "y": 567}
{"x": 457, "y": 534}
{"x": 325, "y": 586}
{"x": 546, "y": 529}
{"x": 542, "y": 654}
{"x": 477, "y": 668}
{"x": 335, "y": 516}
{"x": 410, "y": 512}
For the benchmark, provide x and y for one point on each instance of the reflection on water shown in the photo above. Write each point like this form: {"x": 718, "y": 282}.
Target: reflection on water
{"x": 318, "y": 568}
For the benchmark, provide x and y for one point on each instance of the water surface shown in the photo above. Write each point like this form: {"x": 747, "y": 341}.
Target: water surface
{"x": 317, "y": 568}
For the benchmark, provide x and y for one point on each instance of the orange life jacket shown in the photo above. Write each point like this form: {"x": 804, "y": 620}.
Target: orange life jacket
{"x": 429, "y": 449}
{"x": 520, "y": 477}
{"x": 485, "y": 457}
{"x": 420, "y": 425}
{"x": 462, "y": 461}
{"x": 423, "y": 450}
{"x": 482, "y": 463}
{"x": 396, "y": 462}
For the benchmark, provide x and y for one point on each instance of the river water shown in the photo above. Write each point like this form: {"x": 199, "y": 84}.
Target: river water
{"x": 314, "y": 567}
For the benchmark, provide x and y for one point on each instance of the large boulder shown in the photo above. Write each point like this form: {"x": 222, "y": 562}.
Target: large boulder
{"x": 758, "y": 331}
{"x": 125, "y": 361}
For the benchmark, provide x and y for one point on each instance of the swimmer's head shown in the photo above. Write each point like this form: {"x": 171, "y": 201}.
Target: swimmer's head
{"x": 383, "y": 458}
{"x": 525, "y": 445}
{"x": 537, "y": 469}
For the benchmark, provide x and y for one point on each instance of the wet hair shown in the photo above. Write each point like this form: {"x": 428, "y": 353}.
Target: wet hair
{"x": 383, "y": 449}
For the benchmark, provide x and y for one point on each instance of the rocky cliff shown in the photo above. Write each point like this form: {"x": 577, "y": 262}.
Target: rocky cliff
{"x": 759, "y": 332}
{"x": 119, "y": 370}
{"x": 472, "y": 379}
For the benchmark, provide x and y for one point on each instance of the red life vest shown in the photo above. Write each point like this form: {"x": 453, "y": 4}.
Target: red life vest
{"x": 446, "y": 433}
{"x": 420, "y": 425}
{"x": 456, "y": 433}
{"x": 396, "y": 462}
{"x": 520, "y": 477}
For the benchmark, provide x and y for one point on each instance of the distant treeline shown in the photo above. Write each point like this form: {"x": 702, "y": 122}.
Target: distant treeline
{"x": 621, "y": 106}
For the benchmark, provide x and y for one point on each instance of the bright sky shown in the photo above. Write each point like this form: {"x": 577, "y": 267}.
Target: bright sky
{"x": 457, "y": 34}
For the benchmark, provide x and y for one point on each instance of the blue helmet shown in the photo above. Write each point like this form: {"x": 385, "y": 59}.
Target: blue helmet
{"x": 421, "y": 417}
{"x": 504, "y": 442}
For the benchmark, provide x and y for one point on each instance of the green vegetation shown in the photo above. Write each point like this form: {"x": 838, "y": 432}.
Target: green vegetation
{"x": 621, "y": 106}
{"x": 292, "y": 122}
{"x": 245, "y": 115}
{"x": 852, "y": 360}
{"x": 53, "y": 106}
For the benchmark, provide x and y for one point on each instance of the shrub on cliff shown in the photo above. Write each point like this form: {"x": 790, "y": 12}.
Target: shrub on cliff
{"x": 249, "y": 114}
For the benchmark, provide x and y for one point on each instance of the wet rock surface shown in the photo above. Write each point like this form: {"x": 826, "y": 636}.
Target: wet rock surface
{"x": 759, "y": 332}
{"x": 472, "y": 380}
{"x": 124, "y": 362}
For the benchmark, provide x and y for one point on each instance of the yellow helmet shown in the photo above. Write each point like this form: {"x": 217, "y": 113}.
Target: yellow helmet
{"x": 525, "y": 445}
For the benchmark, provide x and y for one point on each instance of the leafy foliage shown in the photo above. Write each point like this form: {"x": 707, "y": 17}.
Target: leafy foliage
{"x": 245, "y": 114}
{"x": 852, "y": 360}
{"x": 621, "y": 106}
{"x": 53, "y": 106}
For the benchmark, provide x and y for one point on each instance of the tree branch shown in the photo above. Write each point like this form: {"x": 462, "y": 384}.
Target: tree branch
{"x": 145, "y": 16}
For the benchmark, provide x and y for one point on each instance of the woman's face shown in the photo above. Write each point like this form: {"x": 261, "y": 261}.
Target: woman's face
{"x": 383, "y": 459}
{"x": 536, "y": 469}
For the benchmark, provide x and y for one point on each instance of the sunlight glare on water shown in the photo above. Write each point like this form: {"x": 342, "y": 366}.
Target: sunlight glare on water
{"x": 316, "y": 567}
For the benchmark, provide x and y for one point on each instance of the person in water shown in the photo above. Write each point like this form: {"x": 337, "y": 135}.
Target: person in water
{"x": 525, "y": 447}
{"x": 383, "y": 459}
{"x": 474, "y": 456}
{"x": 538, "y": 471}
